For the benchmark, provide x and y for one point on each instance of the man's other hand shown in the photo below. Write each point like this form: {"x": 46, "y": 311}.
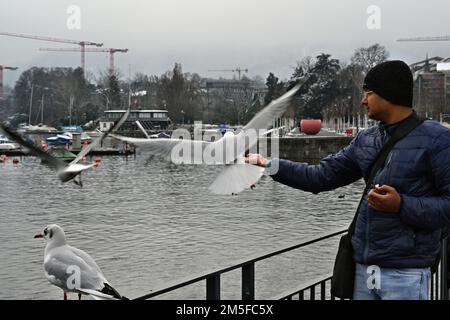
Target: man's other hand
{"x": 384, "y": 198}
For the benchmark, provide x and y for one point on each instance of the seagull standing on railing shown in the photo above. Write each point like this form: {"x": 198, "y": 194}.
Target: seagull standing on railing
{"x": 237, "y": 175}
{"x": 65, "y": 172}
{"x": 72, "y": 269}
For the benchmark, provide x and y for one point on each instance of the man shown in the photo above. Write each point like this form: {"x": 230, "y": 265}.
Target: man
{"x": 397, "y": 234}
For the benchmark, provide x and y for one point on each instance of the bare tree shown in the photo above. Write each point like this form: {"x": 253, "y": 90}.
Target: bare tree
{"x": 369, "y": 57}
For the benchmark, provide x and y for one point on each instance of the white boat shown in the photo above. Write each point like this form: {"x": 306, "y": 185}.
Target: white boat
{"x": 40, "y": 128}
{"x": 94, "y": 134}
{"x": 5, "y": 144}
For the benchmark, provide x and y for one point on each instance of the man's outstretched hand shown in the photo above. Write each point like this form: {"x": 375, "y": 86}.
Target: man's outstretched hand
{"x": 384, "y": 198}
{"x": 256, "y": 159}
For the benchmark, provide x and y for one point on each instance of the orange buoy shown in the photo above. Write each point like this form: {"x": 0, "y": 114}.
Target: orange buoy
{"x": 3, "y": 157}
{"x": 310, "y": 126}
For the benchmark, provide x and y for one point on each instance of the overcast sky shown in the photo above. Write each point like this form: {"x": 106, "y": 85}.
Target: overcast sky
{"x": 261, "y": 35}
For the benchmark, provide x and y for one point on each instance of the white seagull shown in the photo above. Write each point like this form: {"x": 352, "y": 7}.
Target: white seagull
{"x": 72, "y": 269}
{"x": 237, "y": 175}
{"x": 65, "y": 172}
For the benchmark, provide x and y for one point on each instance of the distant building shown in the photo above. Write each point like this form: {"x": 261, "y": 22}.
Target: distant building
{"x": 151, "y": 120}
{"x": 230, "y": 99}
{"x": 431, "y": 87}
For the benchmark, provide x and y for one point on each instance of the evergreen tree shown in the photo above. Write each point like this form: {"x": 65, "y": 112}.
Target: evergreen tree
{"x": 274, "y": 88}
{"x": 114, "y": 92}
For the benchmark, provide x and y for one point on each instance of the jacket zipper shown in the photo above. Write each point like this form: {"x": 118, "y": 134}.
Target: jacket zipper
{"x": 366, "y": 244}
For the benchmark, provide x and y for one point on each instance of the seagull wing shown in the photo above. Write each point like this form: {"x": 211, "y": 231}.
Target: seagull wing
{"x": 97, "y": 295}
{"x": 272, "y": 111}
{"x": 61, "y": 267}
{"x": 49, "y": 159}
{"x": 163, "y": 147}
{"x": 86, "y": 258}
{"x": 261, "y": 121}
{"x": 74, "y": 168}
{"x": 97, "y": 141}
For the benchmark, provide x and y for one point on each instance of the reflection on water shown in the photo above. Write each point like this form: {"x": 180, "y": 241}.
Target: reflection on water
{"x": 148, "y": 223}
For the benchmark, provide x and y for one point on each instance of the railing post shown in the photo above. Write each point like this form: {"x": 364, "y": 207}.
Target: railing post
{"x": 213, "y": 287}
{"x": 444, "y": 266}
{"x": 323, "y": 290}
{"x": 248, "y": 281}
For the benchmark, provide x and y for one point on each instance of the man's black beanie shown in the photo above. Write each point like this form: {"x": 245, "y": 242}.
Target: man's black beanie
{"x": 393, "y": 81}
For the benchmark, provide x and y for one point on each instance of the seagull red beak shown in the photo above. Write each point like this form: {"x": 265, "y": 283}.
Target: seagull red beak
{"x": 39, "y": 235}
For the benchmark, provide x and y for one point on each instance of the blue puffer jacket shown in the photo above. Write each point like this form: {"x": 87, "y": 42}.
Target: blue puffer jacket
{"x": 418, "y": 167}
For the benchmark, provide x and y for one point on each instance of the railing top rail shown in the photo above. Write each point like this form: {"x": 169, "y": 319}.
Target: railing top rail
{"x": 238, "y": 264}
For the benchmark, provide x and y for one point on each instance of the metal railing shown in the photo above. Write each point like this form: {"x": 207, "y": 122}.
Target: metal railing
{"x": 315, "y": 290}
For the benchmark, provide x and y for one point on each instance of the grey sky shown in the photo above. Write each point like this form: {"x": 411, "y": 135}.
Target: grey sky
{"x": 261, "y": 35}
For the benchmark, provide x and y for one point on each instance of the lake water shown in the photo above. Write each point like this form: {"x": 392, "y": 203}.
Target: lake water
{"x": 149, "y": 223}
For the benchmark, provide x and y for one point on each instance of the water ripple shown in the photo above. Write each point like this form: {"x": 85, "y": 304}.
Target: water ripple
{"x": 148, "y": 223}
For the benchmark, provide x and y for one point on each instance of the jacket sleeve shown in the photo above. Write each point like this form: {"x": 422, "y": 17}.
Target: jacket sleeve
{"x": 432, "y": 212}
{"x": 332, "y": 172}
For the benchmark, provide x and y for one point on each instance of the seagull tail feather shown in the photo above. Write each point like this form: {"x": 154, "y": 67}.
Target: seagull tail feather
{"x": 107, "y": 289}
{"x": 235, "y": 178}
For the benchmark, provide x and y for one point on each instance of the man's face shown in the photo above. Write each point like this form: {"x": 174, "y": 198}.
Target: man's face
{"x": 377, "y": 107}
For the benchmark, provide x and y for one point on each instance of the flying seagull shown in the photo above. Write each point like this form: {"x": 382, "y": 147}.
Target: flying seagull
{"x": 237, "y": 175}
{"x": 65, "y": 172}
{"x": 72, "y": 269}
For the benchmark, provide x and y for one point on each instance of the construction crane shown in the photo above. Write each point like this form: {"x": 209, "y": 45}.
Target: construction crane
{"x": 441, "y": 38}
{"x": 1, "y": 77}
{"x": 82, "y": 44}
{"x": 238, "y": 70}
{"x": 110, "y": 50}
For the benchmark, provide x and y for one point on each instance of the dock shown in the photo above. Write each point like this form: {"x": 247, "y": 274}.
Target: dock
{"x": 97, "y": 152}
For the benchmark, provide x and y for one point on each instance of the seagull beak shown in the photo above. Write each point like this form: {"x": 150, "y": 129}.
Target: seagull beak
{"x": 39, "y": 235}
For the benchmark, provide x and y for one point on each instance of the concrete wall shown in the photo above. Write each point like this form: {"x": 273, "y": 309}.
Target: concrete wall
{"x": 308, "y": 149}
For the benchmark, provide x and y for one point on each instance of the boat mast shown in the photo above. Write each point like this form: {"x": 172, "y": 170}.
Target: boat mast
{"x": 31, "y": 103}
{"x": 42, "y": 109}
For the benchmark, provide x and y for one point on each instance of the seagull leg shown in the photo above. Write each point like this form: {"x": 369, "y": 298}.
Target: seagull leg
{"x": 65, "y": 295}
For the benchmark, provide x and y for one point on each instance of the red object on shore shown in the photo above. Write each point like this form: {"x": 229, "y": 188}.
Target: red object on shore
{"x": 310, "y": 126}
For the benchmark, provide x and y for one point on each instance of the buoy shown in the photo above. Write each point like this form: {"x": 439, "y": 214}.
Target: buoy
{"x": 310, "y": 126}
{"x": 3, "y": 157}
{"x": 15, "y": 161}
